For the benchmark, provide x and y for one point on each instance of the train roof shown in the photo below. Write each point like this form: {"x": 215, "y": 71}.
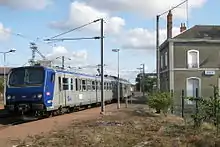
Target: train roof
{"x": 110, "y": 78}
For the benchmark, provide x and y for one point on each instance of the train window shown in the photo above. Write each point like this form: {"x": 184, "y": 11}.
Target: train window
{"x": 93, "y": 85}
{"x": 104, "y": 85}
{"x": 76, "y": 82}
{"x": 83, "y": 85}
{"x": 65, "y": 84}
{"x": 71, "y": 84}
{"x": 110, "y": 86}
{"x": 97, "y": 86}
{"x": 59, "y": 80}
{"x": 88, "y": 85}
{"x": 52, "y": 77}
{"x": 80, "y": 84}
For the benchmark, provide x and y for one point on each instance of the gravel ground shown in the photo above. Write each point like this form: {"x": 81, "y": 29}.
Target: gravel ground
{"x": 10, "y": 135}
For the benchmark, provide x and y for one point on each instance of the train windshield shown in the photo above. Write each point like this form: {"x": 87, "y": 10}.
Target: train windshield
{"x": 21, "y": 77}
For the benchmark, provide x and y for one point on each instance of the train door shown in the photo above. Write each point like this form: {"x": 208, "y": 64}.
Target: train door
{"x": 68, "y": 90}
{"x": 62, "y": 87}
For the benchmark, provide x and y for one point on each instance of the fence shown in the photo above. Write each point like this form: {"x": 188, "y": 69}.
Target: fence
{"x": 187, "y": 106}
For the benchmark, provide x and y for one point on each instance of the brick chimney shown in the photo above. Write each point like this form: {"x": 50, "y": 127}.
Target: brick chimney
{"x": 169, "y": 24}
{"x": 182, "y": 27}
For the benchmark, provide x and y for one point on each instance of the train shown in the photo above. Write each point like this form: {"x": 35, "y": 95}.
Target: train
{"x": 44, "y": 91}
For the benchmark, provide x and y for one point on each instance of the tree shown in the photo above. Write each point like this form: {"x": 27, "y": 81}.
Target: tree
{"x": 149, "y": 82}
{"x": 1, "y": 85}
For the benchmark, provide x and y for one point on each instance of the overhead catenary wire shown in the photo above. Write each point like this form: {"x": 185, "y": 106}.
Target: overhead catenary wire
{"x": 77, "y": 28}
{"x": 70, "y": 39}
{"x": 173, "y": 8}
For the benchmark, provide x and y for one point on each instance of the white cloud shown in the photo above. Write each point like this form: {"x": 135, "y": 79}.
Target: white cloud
{"x": 26, "y": 4}
{"x": 4, "y": 32}
{"x": 81, "y": 13}
{"x": 76, "y": 57}
{"x": 140, "y": 38}
{"x": 146, "y": 8}
{"x": 79, "y": 59}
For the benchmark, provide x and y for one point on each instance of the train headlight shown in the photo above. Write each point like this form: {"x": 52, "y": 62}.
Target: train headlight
{"x": 39, "y": 96}
{"x": 8, "y": 97}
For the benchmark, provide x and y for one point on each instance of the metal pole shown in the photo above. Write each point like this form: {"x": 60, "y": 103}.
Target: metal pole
{"x": 62, "y": 62}
{"x": 102, "y": 72}
{"x": 143, "y": 80}
{"x": 4, "y": 92}
{"x": 158, "y": 53}
{"x": 118, "y": 84}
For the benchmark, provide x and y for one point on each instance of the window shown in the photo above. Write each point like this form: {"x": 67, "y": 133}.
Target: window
{"x": 192, "y": 87}
{"x": 71, "y": 84}
{"x": 166, "y": 57}
{"x": 104, "y": 85}
{"x": 83, "y": 85}
{"x": 65, "y": 84}
{"x": 88, "y": 85}
{"x": 77, "y": 85}
{"x": 80, "y": 84}
{"x": 193, "y": 59}
{"x": 59, "y": 80}
{"x": 52, "y": 77}
{"x": 93, "y": 85}
{"x": 97, "y": 86}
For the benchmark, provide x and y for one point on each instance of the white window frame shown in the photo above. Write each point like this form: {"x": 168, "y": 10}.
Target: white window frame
{"x": 166, "y": 59}
{"x": 188, "y": 53}
{"x": 199, "y": 89}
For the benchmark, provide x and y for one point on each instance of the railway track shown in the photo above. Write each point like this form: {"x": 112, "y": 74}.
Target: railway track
{"x": 7, "y": 120}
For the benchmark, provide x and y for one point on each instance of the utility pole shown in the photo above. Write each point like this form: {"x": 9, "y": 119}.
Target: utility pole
{"x": 157, "y": 39}
{"x": 63, "y": 61}
{"x": 102, "y": 69}
{"x": 143, "y": 79}
{"x": 158, "y": 52}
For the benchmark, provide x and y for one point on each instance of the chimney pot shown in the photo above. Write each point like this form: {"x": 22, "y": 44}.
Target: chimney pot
{"x": 182, "y": 27}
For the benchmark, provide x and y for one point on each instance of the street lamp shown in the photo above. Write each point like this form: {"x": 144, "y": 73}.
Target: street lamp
{"x": 143, "y": 78}
{"x": 4, "y": 56}
{"x": 117, "y": 50}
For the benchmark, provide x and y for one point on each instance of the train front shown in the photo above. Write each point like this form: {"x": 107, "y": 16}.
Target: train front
{"x": 25, "y": 88}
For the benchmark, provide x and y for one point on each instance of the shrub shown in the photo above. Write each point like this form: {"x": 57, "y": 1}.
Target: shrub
{"x": 161, "y": 101}
{"x": 1, "y": 85}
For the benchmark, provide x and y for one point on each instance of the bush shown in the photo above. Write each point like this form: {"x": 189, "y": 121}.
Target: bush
{"x": 161, "y": 101}
{"x": 1, "y": 85}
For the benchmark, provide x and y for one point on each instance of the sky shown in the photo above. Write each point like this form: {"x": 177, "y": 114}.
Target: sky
{"x": 129, "y": 26}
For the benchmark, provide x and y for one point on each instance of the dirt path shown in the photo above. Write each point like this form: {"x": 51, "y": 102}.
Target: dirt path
{"x": 13, "y": 133}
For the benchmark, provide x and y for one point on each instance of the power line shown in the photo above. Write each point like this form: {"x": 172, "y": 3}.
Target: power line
{"x": 70, "y": 39}
{"x": 75, "y": 28}
{"x": 173, "y": 8}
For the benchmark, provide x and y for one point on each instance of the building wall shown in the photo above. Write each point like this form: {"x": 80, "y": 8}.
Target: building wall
{"x": 209, "y": 54}
{"x": 164, "y": 69}
{"x": 164, "y": 81}
{"x": 205, "y": 90}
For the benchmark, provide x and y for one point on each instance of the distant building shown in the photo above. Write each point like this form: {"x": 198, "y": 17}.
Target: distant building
{"x": 2, "y": 71}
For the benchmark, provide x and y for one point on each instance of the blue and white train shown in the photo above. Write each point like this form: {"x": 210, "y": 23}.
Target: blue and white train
{"x": 40, "y": 90}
